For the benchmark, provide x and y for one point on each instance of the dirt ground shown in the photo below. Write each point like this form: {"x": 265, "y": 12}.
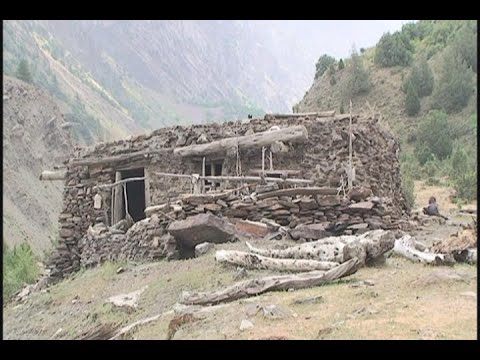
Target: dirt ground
{"x": 399, "y": 300}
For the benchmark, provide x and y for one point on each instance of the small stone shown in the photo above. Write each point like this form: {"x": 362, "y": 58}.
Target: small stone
{"x": 120, "y": 270}
{"x": 245, "y": 325}
{"x": 369, "y": 282}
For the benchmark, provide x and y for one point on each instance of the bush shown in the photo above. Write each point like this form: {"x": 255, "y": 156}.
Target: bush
{"x": 342, "y": 107}
{"x": 433, "y": 137}
{"x": 323, "y": 63}
{"x": 341, "y": 65}
{"x": 464, "y": 172}
{"x": 19, "y": 268}
{"x": 408, "y": 190}
{"x": 412, "y": 101}
{"x": 454, "y": 86}
{"x": 393, "y": 49}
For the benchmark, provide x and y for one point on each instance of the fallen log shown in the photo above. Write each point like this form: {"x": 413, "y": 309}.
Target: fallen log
{"x": 254, "y": 261}
{"x": 364, "y": 247}
{"x": 271, "y": 283}
{"x": 292, "y": 134}
{"x": 298, "y": 191}
{"x": 324, "y": 250}
{"x": 53, "y": 175}
{"x": 405, "y": 247}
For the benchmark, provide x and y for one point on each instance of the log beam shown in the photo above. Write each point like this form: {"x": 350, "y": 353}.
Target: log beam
{"x": 330, "y": 113}
{"x": 139, "y": 155}
{"x": 292, "y": 134}
{"x": 53, "y": 175}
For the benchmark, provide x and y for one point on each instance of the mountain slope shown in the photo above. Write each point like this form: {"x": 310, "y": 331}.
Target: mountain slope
{"x": 33, "y": 140}
{"x": 136, "y": 75}
{"x": 386, "y": 96}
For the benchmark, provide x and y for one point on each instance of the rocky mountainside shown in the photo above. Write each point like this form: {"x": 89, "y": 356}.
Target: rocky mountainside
{"x": 115, "y": 78}
{"x": 35, "y": 137}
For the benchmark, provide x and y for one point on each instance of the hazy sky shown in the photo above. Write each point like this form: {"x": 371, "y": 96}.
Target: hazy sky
{"x": 335, "y": 37}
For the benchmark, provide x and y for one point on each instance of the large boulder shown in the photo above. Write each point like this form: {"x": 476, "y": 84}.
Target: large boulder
{"x": 202, "y": 228}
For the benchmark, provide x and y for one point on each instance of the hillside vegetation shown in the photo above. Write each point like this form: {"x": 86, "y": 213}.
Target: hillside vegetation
{"x": 422, "y": 82}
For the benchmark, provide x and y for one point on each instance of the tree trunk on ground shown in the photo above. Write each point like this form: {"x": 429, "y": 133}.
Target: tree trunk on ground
{"x": 254, "y": 261}
{"x": 53, "y": 175}
{"x": 405, "y": 247}
{"x": 258, "y": 286}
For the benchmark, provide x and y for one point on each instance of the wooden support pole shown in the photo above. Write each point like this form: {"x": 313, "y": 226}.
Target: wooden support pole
{"x": 271, "y": 161}
{"x": 350, "y": 151}
{"x": 263, "y": 161}
{"x": 242, "y": 178}
{"x": 203, "y": 174}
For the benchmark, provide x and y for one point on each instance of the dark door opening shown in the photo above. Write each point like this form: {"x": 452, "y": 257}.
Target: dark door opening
{"x": 135, "y": 194}
{"x": 213, "y": 169}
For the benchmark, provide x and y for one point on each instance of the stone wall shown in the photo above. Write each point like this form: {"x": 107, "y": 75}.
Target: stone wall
{"x": 321, "y": 158}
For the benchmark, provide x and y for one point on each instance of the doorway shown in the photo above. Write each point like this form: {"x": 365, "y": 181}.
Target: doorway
{"x": 135, "y": 191}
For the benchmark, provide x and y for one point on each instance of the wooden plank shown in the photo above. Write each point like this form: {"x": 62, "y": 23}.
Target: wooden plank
{"x": 118, "y": 199}
{"x": 292, "y": 134}
{"x": 147, "y": 187}
{"x": 330, "y": 113}
{"x": 241, "y": 178}
{"x": 105, "y": 186}
{"x": 298, "y": 191}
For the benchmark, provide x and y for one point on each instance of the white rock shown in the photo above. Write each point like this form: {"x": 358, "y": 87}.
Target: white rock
{"x": 245, "y": 325}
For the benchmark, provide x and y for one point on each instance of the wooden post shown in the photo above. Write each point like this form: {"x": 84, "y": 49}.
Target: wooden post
{"x": 350, "y": 165}
{"x": 203, "y": 174}
{"x": 271, "y": 161}
{"x": 263, "y": 161}
{"x": 197, "y": 184}
{"x": 118, "y": 199}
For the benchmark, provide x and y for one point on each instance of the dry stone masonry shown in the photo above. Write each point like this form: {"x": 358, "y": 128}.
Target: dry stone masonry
{"x": 375, "y": 202}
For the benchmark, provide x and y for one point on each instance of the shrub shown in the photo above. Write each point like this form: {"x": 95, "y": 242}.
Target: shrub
{"x": 323, "y": 64}
{"x": 357, "y": 81}
{"x": 19, "y": 268}
{"x": 341, "y": 65}
{"x": 465, "y": 44}
{"x": 393, "y": 49}
{"x": 433, "y": 137}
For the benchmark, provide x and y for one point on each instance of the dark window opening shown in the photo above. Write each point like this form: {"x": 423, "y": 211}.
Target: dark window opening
{"x": 213, "y": 169}
{"x": 135, "y": 194}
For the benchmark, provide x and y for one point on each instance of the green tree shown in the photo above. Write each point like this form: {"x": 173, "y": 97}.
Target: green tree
{"x": 23, "y": 72}
{"x": 455, "y": 85}
{"x": 323, "y": 64}
{"x": 341, "y": 65}
{"x": 393, "y": 49}
{"x": 464, "y": 172}
{"x": 421, "y": 77}
{"x": 465, "y": 44}
{"x": 434, "y": 138}
{"x": 19, "y": 268}
{"x": 412, "y": 101}
{"x": 342, "y": 107}
{"x": 357, "y": 81}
